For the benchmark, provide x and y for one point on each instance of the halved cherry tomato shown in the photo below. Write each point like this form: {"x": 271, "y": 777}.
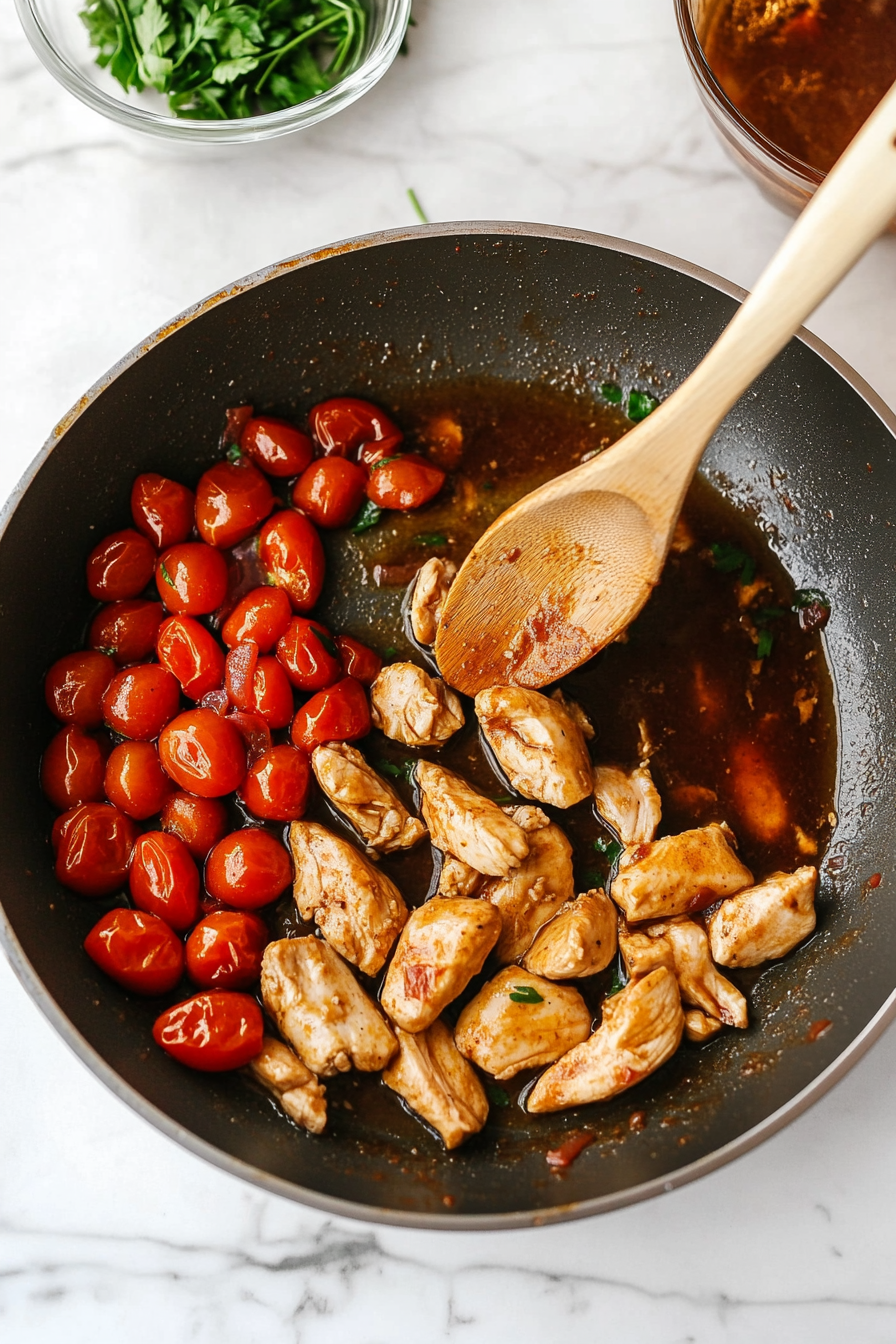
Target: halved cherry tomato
{"x": 232, "y": 498}
{"x": 277, "y": 447}
{"x": 72, "y": 767}
{"x": 93, "y": 846}
{"x": 276, "y": 785}
{"x": 261, "y": 615}
{"x": 225, "y": 949}
{"x": 163, "y": 510}
{"x": 239, "y": 671}
{"x": 192, "y": 654}
{"x": 120, "y": 566}
{"x": 75, "y": 686}
{"x": 212, "y": 1032}
{"x": 272, "y": 694}
{"x": 358, "y": 661}
{"x": 404, "y": 483}
{"x": 203, "y": 753}
{"x": 330, "y": 491}
{"x": 135, "y": 781}
{"x": 342, "y": 424}
{"x": 199, "y": 822}
{"x": 338, "y": 714}
{"x": 290, "y": 549}
{"x": 192, "y": 578}
{"x": 371, "y": 453}
{"x": 140, "y": 700}
{"x": 254, "y": 731}
{"x": 126, "y": 630}
{"x": 309, "y": 655}
{"x": 138, "y": 950}
{"x": 248, "y": 869}
{"x": 164, "y": 879}
{"x": 218, "y": 700}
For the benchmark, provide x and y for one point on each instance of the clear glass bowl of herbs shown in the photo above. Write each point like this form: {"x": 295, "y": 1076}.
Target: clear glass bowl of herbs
{"x": 213, "y": 70}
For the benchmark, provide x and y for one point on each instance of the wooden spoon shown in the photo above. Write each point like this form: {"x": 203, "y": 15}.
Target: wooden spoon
{"x": 564, "y": 570}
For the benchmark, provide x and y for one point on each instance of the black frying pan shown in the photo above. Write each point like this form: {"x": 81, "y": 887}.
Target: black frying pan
{"x": 371, "y": 317}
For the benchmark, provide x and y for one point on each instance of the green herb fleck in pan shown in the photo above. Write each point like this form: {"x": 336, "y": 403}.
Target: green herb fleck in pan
{"x": 611, "y": 392}
{"x": 325, "y": 639}
{"x": 368, "y": 516}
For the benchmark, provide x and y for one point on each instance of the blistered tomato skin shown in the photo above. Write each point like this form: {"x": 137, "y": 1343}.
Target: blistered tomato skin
{"x": 239, "y": 671}
{"x": 405, "y": 483}
{"x": 126, "y": 630}
{"x": 162, "y": 509}
{"x": 248, "y": 869}
{"x": 262, "y": 616}
{"x": 75, "y": 686}
{"x": 272, "y": 694}
{"x": 330, "y": 491}
{"x": 277, "y": 784}
{"x": 309, "y": 655}
{"x": 139, "y": 701}
{"x": 199, "y": 822}
{"x": 135, "y": 781}
{"x": 192, "y": 579}
{"x": 164, "y": 880}
{"x": 191, "y": 653}
{"x": 291, "y": 552}
{"x": 138, "y": 950}
{"x": 358, "y": 660}
{"x": 342, "y": 424}
{"x": 203, "y": 753}
{"x": 93, "y": 846}
{"x": 72, "y": 768}
{"x": 225, "y": 949}
{"x": 212, "y": 1032}
{"x": 254, "y": 731}
{"x": 232, "y": 498}
{"x": 338, "y": 714}
{"x": 120, "y": 566}
{"x": 371, "y": 453}
{"x": 277, "y": 447}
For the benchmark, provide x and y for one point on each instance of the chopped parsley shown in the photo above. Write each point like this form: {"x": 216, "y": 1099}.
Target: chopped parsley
{"x": 525, "y": 994}
{"x": 810, "y": 597}
{"x": 386, "y": 461}
{"x": 611, "y": 392}
{"x": 640, "y": 404}
{"x": 431, "y": 539}
{"x": 611, "y": 848}
{"x": 394, "y": 771}
{"x": 497, "y": 1096}
{"x": 729, "y": 559}
{"x": 390, "y": 652}
{"x": 764, "y": 643}
{"x": 234, "y": 453}
{"x": 327, "y": 641}
{"x": 616, "y": 983}
{"x": 367, "y": 516}
{"x": 165, "y": 575}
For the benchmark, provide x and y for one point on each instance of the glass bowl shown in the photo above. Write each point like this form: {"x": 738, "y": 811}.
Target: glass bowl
{"x": 60, "y": 40}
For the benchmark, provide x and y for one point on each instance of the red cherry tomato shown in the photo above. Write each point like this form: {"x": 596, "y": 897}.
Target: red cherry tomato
{"x": 262, "y": 615}
{"x": 276, "y": 785}
{"x": 309, "y": 655}
{"x": 138, "y": 950}
{"x": 164, "y": 879}
{"x": 272, "y": 694}
{"x": 192, "y": 654}
{"x": 212, "y": 1032}
{"x": 330, "y": 491}
{"x": 248, "y": 868}
{"x": 192, "y": 578}
{"x": 342, "y": 424}
{"x": 75, "y": 687}
{"x": 277, "y": 447}
{"x": 338, "y": 714}
{"x": 358, "y": 661}
{"x": 371, "y": 453}
{"x": 162, "y": 510}
{"x": 254, "y": 731}
{"x": 135, "y": 781}
{"x": 405, "y": 483}
{"x": 232, "y": 498}
{"x": 71, "y": 771}
{"x": 224, "y": 950}
{"x": 126, "y": 630}
{"x": 120, "y": 566}
{"x": 239, "y": 670}
{"x": 203, "y": 753}
{"x": 199, "y": 822}
{"x": 93, "y": 845}
{"x": 140, "y": 700}
{"x": 290, "y": 550}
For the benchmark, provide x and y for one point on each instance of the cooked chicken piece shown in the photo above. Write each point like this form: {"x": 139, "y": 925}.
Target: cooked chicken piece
{"x": 367, "y": 801}
{"x": 533, "y": 893}
{"x": 437, "y": 1082}
{"x": 428, "y": 598}
{"x": 628, "y": 802}
{"x": 700, "y": 1026}
{"x": 321, "y": 1009}
{"x": 685, "y": 949}
{"x": 467, "y": 825}
{"x": 575, "y": 712}
{"x": 412, "y": 707}
{"x": 678, "y": 874}
{"x": 519, "y": 1021}
{"x": 457, "y": 878}
{"x": 766, "y": 921}
{"x": 442, "y": 946}
{"x": 580, "y": 940}
{"x": 355, "y": 906}
{"x": 538, "y": 744}
{"x": 294, "y": 1087}
{"x": 641, "y": 1028}
{"x": 643, "y": 953}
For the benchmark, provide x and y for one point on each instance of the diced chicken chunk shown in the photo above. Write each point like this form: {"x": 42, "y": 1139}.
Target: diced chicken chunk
{"x": 467, "y": 825}
{"x": 370, "y": 804}
{"x": 575, "y": 712}
{"x": 442, "y": 946}
{"x": 679, "y": 874}
{"x": 519, "y": 1021}
{"x": 355, "y": 906}
{"x": 700, "y": 1026}
{"x": 580, "y": 940}
{"x": 641, "y": 1028}
{"x": 532, "y": 893}
{"x": 414, "y": 708}
{"x": 538, "y": 744}
{"x": 700, "y": 983}
{"x": 435, "y": 1080}
{"x": 765, "y": 921}
{"x": 321, "y": 1009}
{"x": 428, "y": 598}
{"x": 457, "y": 878}
{"x": 628, "y": 802}
{"x": 294, "y": 1087}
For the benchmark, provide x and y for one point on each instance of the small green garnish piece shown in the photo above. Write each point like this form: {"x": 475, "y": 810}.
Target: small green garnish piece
{"x": 616, "y": 983}
{"x": 766, "y": 614}
{"x": 764, "y": 645}
{"x": 234, "y": 453}
{"x": 431, "y": 539}
{"x": 108, "y": 650}
{"x": 504, "y": 798}
{"x": 418, "y": 208}
{"x": 611, "y": 392}
{"x": 328, "y": 642}
{"x": 730, "y": 558}
{"x": 611, "y": 848}
{"x": 385, "y": 461}
{"x": 497, "y": 1096}
{"x": 640, "y": 404}
{"x": 810, "y": 597}
{"x": 165, "y": 575}
{"x": 390, "y": 652}
{"x": 525, "y": 994}
{"x": 403, "y": 771}
{"x": 367, "y": 516}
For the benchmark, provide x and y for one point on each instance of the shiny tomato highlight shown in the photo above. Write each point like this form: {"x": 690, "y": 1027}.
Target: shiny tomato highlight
{"x": 272, "y": 693}
{"x": 140, "y": 700}
{"x": 72, "y": 768}
{"x": 225, "y": 949}
{"x": 138, "y": 950}
{"x": 290, "y": 550}
{"x": 199, "y": 822}
{"x": 277, "y": 447}
{"x": 191, "y": 653}
{"x": 163, "y": 510}
{"x": 126, "y": 630}
{"x": 248, "y": 869}
{"x": 358, "y": 660}
{"x": 338, "y": 714}
{"x": 75, "y": 686}
{"x": 212, "y": 1032}
{"x": 93, "y": 846}
{"x": 261, "y": 615}
{"x": 330, "y": 491}
{"x": 164, "y": 880}
{"x": 232, "y": 498}
{"x": 405, "y": 482}
{"x": 192, "y": 578}
{"x": 135, "y": 781}
{"x": 120, "y": 566}
{"x": 277, "y": 784}
{"x": 342, "y": 424}
{"x": 309, "y": 655}
{"x": 203, "y": 753}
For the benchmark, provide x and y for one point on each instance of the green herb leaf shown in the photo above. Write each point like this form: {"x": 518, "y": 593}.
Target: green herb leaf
{"x": 418, "y": 208}
{"x": 403, "y": 771}
{"x": 328, "y": 643}
{"x": 108, "y": 649}
{"x": 525, "y": 994}
{"x": 611, "y": 848}
{"x": 504, "y": 798}
{"x": 611, "y": 392}
{"x": 431, "y": 539}
{"x": 764, "y": 646}
{"x": 385, "y": 461}
{"x": 616, "y": 983}
{"x": 165, "y": 575}
{"x": 730, "y": 558}
{"x": 497, "y": 1096}
{"x": 766, "y": 614}
{"x": 234, "y": 453}
{"x": 368, "y": 516}
{"x": 810, "y": 597}
{"x": 225, "y": 72}
{"x": 640, "y": 404}
{"x": 390, "y": 652}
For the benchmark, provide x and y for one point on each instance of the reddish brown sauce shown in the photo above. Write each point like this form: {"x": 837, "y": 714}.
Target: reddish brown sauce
{"x": 566, "y": 1154}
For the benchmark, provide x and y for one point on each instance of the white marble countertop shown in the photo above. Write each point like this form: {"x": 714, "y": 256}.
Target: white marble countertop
{"x": 578, "y": 112}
